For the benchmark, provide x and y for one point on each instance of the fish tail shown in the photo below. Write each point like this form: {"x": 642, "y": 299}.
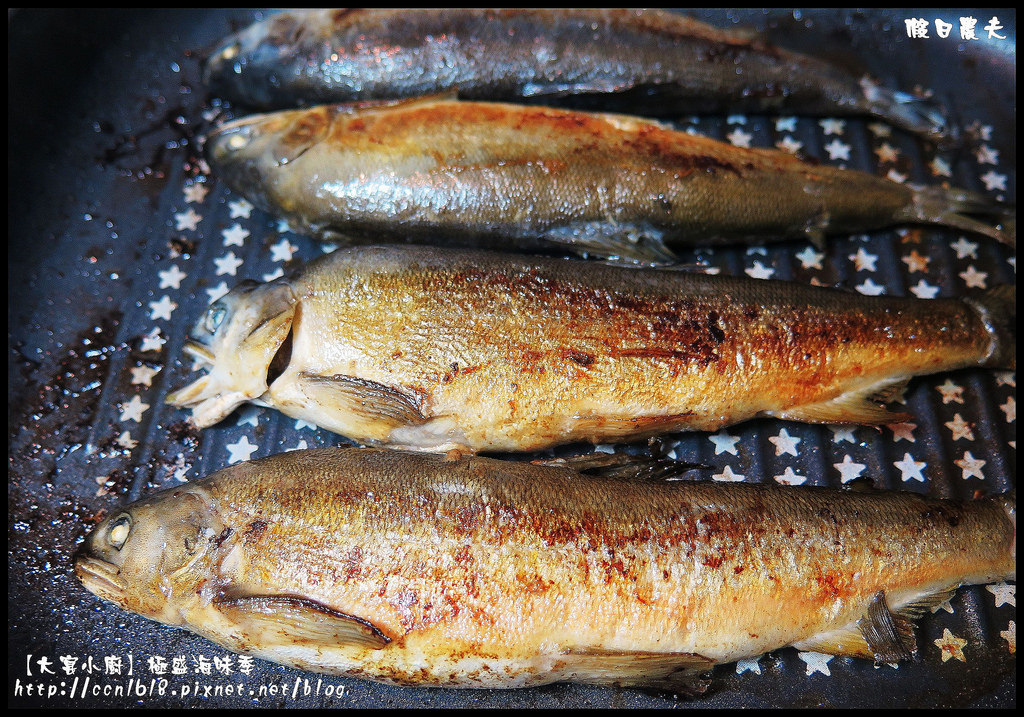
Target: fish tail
{"x": 997, "y": 308}
{"x": 958, "y": 208}
{"x": 921, "y": 115}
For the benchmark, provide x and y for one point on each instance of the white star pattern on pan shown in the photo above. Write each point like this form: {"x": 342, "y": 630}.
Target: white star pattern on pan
{"x": 300, "y": 446}
{"x": 235, "y": 235}
{"x": 133, "y": 410}
{"x": 903, "y": 431}
{"x": 784, "y": 443}
{"x": 762, "y": 250}
{"x": 994, "y": 181}
{"x": 162, "y": 309}
{"x": 843, "y": 433}
{"x": 848, "y": 470}
{"x": 144, "y": 375}
{"x": 750, "y": 664}
{"x": 125, "y": 440}
{"x": 788, "y": 144}
{"x": 759, "y": 271}
{"x": 970, "y": 466}
{"x": 283, "y": 226}
{"x": 275, "y": 274}
{"x": 1010, "y": 635}
{"x": 951, "y": 392}
{"x": 816, "y": 662}
{"x": 1004, "y": 594}
{"x": 785, "y": 124}
{"x": 973, "y": 278}
{"x": 171, "y": 278}
{"x": 728, "y": 476}
{"x": 880, "y": 129}
{"x": 960, "y": 428}
{"x": 283, "y": 251}
{"x": 924, "y": 290}
{"x": 789, "y": 477}
{"x": 195, "y": 193}
{"x": 987, "y": 155}
{"x": 1010, "y": 409}
{"x": 300, "y": 424}
{"x": 187, "y": 220}
{"x": 217, "y": 292}
{"x": 941, "y": 168}
{"x": 887, "y": 153}
{"x": 830, "y": 125}
{"x": 1006, "y": 378}
{"x": 837, "y": 149}
{"x": 965, "y": 248}
{"x": 869, "y": 288}
{"x": 152, "y": 341}
{"x": 724, "y": 443}
{"x": 896, "y": 176}
{"x": 241, "y": 450}
{"x": 809, "y": 258}
{"x": 863, "y": 260}
{"x": 915, "y": 262}
{"x": 951, "y": 646}
{"x": 739, "y": 138}
{"x": 910, "y": 469}
{"x": 736, "y": 119}
{"x": 228, "y": 264}
{"x": 240, "y": 209}
{"x": 248, "y": 416}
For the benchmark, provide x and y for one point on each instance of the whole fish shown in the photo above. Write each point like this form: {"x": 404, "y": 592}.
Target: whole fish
{"x": 474, "y": 173}
{"x": 660, "y": 62}
{"x": 435, "y": 350}
{"x": 469, "y": 572}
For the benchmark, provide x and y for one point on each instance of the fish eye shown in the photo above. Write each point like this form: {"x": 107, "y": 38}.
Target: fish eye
{"x": 215, "y": 316}
{"x": 230, "y": 52}
{"x": 119, "y": 529}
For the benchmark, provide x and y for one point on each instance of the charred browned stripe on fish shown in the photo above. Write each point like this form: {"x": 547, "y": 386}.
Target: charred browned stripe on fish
{"x": 418, "y": 569}
{"x": 660, "y": 62}
{"x": 436, "y": 170}
{"x": 435, "y": 350}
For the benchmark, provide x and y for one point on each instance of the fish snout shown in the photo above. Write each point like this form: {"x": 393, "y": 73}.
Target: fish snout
{"x": 99, "y": 576}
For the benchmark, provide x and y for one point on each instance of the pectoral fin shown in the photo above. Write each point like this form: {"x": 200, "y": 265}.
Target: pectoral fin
{"x": 860, "y": 406}
{"x": 369, "y": 408}
{"x": 283, "y": 620}
{"x": 680, "y": 672}
{"x": 618, "y": 243}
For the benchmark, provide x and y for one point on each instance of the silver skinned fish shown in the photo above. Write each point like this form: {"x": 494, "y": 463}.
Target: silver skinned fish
{"x": 434, "y": 350}
{"x": 437, "y": 170}
{"x": 650, "y": 61}
{"x": 425, "y": 570}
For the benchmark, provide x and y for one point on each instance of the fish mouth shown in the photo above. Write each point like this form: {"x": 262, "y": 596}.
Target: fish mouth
{"x": 100, "y": 577}
{"x": 199, "y": 352}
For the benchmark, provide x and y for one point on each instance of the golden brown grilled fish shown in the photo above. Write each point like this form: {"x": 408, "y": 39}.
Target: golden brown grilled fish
{"x": 426, "y": 349}
{"x": 417, "y": 569}
{"x": 442, "y": 171}
{"x": 659, "y": 62}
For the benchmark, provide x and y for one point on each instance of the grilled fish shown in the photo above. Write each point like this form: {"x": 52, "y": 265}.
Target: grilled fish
{"x": 434, "y": 350}
{"x": 470, "y": 572}
{"x": 481, "y": 174}
{"x": 659, "y": 62}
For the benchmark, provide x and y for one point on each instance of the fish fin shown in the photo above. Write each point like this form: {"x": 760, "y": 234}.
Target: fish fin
{"x": 679, "y": 672}
{"x": 997, "y": 308}
{"x": 272, "y": 619}
{"x": 618, "y": 243}
{"x": 957, "y": 208}
{"x": 917, "y": 607}
{"x": 378, "y": 408}
{"x": 622, "y": 465}
{"x": 816, "y": 236}
{"x": 601, "y": 429}
{"x": 890, "y": 636}
{"x": 921, "y": 115}
{"x": 858, "y": 406}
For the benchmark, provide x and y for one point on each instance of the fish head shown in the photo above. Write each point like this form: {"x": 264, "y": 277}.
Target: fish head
{"x": 237, "y": 340}
{"x": 248, "y": 153}
{"x": 155, "y": 555}
{"x": 250, "y": 63}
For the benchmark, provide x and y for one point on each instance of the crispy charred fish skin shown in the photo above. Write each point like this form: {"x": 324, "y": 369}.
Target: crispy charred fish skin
{"x": 435, "y": 350}
{"x": 470, "y": 572}
{"x": 480, "y": 174}
{"x": 658, "y": 61}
